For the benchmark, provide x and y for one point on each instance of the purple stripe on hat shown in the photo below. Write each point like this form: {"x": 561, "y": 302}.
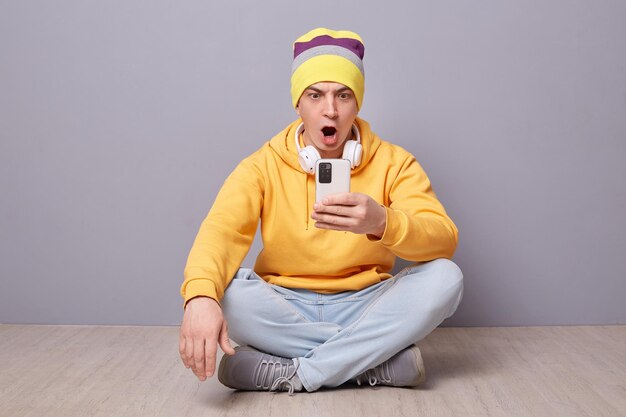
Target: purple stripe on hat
{"x": 353, "y": 45}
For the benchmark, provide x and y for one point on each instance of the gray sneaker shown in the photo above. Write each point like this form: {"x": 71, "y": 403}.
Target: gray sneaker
{"x": 404, "y": 369}
{"x": 251, "y": 370}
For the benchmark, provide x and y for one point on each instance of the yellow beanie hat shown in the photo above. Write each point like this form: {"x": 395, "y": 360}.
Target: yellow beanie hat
{"x": 328, "y": 55}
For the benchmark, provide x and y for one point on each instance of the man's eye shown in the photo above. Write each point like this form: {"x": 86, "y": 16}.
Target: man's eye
{"x": 344, "y": 96}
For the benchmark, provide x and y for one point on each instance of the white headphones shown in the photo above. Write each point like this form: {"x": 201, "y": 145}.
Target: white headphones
{"x": 352, "y": 151}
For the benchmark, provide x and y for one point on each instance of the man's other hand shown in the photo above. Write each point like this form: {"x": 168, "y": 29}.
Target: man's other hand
{"x": 352, "y": 212}
{"x": 202, "y": 329}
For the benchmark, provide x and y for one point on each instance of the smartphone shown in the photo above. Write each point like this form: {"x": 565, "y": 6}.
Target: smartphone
{"x": 332, "y": 176}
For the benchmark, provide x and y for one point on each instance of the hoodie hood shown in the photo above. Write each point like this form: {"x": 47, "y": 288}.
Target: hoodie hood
{"x": 284, "y": 144}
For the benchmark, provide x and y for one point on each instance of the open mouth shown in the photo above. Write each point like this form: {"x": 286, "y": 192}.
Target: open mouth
{"x": 329, "y": 131}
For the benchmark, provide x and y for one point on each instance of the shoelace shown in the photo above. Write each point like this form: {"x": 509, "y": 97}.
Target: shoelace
{"x": 378, "y": 375}
{"x": 275, "y": 375}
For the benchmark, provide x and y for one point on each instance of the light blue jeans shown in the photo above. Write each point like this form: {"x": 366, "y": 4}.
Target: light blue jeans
{"x": 339, "y": 336}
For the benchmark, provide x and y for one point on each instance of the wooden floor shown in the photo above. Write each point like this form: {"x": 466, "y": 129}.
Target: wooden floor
{"x": 135, "y": 371}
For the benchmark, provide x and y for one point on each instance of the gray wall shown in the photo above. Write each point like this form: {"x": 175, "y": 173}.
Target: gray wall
{"x": 119, "y": 120}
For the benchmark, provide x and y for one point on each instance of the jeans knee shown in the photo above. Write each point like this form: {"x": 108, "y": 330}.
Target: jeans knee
{"x": 452, "y": 282}
{"x": 442, "y": 279}
{"x": 451, "y": 272}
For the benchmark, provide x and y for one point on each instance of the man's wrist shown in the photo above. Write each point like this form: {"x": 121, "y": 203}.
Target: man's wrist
{"x": 383, "y": 224}
{"x": 197, "y": 297}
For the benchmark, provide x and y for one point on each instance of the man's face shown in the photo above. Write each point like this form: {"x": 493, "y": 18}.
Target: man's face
{"x": 328, "y": 110}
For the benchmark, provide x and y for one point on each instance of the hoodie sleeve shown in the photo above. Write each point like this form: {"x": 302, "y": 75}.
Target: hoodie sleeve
{"x": 418, "y": 228}
{"x": 226, "y": 233}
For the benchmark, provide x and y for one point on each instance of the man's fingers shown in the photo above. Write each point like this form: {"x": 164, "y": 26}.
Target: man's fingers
{"x": 210, "y": 351}
{"x": 340, "y": 210}
{"x": 343, "y": 199}
{"x": 198, "y": 359}
{"x": 181, "y": 350}
{"x": 334, "y": 220}
{"x": 225, "y": 340}
{"x": 189, "y": 352}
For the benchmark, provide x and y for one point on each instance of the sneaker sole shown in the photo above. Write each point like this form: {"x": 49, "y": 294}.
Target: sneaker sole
{"x": 420, "y": 365}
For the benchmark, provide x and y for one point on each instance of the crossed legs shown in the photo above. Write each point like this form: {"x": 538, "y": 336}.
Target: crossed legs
{"x": 339, "y": 336}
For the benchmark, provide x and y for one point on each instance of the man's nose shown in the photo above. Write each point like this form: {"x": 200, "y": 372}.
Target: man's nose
{"x": 330, "y": 108}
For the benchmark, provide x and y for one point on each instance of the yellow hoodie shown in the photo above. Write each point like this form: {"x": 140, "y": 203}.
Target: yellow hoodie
{"x": 270, "y": 185}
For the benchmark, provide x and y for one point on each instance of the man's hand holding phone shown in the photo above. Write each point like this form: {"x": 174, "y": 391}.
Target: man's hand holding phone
{"x": 352, "y": 212}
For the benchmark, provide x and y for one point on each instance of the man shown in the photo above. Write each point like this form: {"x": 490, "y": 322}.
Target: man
{"x": 320, "y": 307}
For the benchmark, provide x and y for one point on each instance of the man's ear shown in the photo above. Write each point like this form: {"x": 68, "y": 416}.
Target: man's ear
{"x": 298, "y": 109}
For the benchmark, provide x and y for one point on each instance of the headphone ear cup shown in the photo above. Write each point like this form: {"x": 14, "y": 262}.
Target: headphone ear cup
{"x": 358, "y": 154}
{"x": 307, "y": 158}
{"x": 352, "y": 151}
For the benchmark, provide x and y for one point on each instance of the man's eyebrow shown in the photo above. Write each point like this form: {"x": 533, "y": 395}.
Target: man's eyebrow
{"x": 340, "y": 90}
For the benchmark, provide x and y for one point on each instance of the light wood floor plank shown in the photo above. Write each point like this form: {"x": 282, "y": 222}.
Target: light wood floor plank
{"x": 135, "y": 371}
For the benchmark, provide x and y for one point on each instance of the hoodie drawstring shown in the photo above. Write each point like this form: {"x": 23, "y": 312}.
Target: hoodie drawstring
{"x": 307, "y": 214}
